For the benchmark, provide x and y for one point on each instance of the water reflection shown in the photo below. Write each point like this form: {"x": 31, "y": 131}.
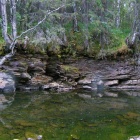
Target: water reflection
{"x": 82, "y": 115}
{"x": 6, "y": 100}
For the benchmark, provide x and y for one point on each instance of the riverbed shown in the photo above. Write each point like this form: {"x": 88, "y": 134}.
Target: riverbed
{"x": 76, "y": 115}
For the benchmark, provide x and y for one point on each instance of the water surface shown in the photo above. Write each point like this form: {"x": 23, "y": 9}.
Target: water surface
{"x": 70, "y": 116}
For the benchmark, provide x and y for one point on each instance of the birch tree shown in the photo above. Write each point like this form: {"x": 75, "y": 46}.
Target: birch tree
{"x": 11, "y": 40}
{"x": 118, "y": 19}
{"x": 75, "y": 21}
{"x": 4, "y": 22}
{"x": 135, "y": 32}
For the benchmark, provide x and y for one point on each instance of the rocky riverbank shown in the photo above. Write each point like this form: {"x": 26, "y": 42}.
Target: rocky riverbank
{"x": 38, "y": 72}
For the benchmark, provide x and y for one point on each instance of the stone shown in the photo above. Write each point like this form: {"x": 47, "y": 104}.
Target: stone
{"x": 45, "y": 87}
{"x": 132, "y": 93}
{"x": 87, "y": 87}
{"x": 111, "y": 83}
{"x": 25, "y": 76}
{"x": 85, "y": 96}
{"x": 84, "y": 81}
{"x": 134, "y": 138}
{"x": 37, "y": 69}
{"x": 118, "y": 77}
{"x": 110, "y": 94}
{"x": 28, "y": 88}
{"x": 41, "y": 79}
{"x": 7, "y": 82}
{"x": 64, "y": 89}
{"x": 128, "y": 87}
{"x": 54, "y": 85}
{"x": 132, "y": 82}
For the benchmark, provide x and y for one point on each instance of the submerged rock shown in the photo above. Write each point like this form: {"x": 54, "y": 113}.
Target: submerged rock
{"x": 32, "y": 136}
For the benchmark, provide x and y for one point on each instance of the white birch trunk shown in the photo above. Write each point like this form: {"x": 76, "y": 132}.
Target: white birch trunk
{"x": 4, "y": 22}
{"x": 118, "y": 19}
{"x": 13, "y": 18}
{"x": 75, "y": 22}
{"x": 4, "y": 26}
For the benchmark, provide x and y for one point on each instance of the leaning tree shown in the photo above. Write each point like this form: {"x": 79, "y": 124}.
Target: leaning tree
{"x": 12, "y": 39}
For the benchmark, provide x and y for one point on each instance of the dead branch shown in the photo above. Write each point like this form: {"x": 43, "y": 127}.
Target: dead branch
{"x": 12, "y": 46}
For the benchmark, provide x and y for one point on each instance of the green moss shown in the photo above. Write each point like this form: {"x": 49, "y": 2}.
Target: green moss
{"x": 24, "y": 123}
{"x": 68, "y": 68}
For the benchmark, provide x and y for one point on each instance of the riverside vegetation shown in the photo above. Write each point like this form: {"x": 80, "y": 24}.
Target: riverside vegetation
{"x": 49, "y": 48}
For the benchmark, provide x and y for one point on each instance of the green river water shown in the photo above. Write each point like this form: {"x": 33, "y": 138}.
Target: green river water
{"x": 78, "y": 115}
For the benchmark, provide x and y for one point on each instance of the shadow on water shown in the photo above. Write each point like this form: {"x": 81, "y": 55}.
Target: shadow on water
{"x": 83, "y": 115}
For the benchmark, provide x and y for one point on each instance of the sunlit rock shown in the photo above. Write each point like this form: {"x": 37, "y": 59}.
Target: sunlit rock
{"x": 87, "y": 87}
{"x": 112, "y": 83}
{"x": 134, "y": 138}
{"x": 84, "y": 81}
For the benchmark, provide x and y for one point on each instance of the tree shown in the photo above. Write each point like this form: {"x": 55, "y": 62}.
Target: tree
{"x": 12, "y": 40}
{"x": 118, "y": 7}
{"x": 135, "y": 32}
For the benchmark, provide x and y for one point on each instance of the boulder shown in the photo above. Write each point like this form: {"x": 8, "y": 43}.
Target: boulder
{"x": 7, "y": 82}
{"x": 22, "y": 77}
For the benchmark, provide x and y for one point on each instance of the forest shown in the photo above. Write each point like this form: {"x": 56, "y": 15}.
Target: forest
{"x": 70, "y": 70}
{"x": 94, "y": 28}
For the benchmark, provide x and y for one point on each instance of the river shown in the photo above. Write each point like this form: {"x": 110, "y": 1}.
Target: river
{"x": 82, "y": 115}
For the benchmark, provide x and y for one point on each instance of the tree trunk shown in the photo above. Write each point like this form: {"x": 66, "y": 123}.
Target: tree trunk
{"x": 118, "y": 19}
{"x": 4, "y": 22}
{"x": 75, "y": 21}
{"x": 12, "y": 42}
{"x": 103, "y": 20}
{"x": 85, "y": 21}
{"x": 13, "y": 18}
{"x": 135, "y": 33}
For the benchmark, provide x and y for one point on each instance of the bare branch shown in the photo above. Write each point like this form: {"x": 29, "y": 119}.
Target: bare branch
{"x": 40, "y": 22}
{"x": 5, "y": 58}
{"x": 12, "y": 46}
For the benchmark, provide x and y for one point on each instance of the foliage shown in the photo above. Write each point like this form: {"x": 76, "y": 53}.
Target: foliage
{"x": 95, "y": 20}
